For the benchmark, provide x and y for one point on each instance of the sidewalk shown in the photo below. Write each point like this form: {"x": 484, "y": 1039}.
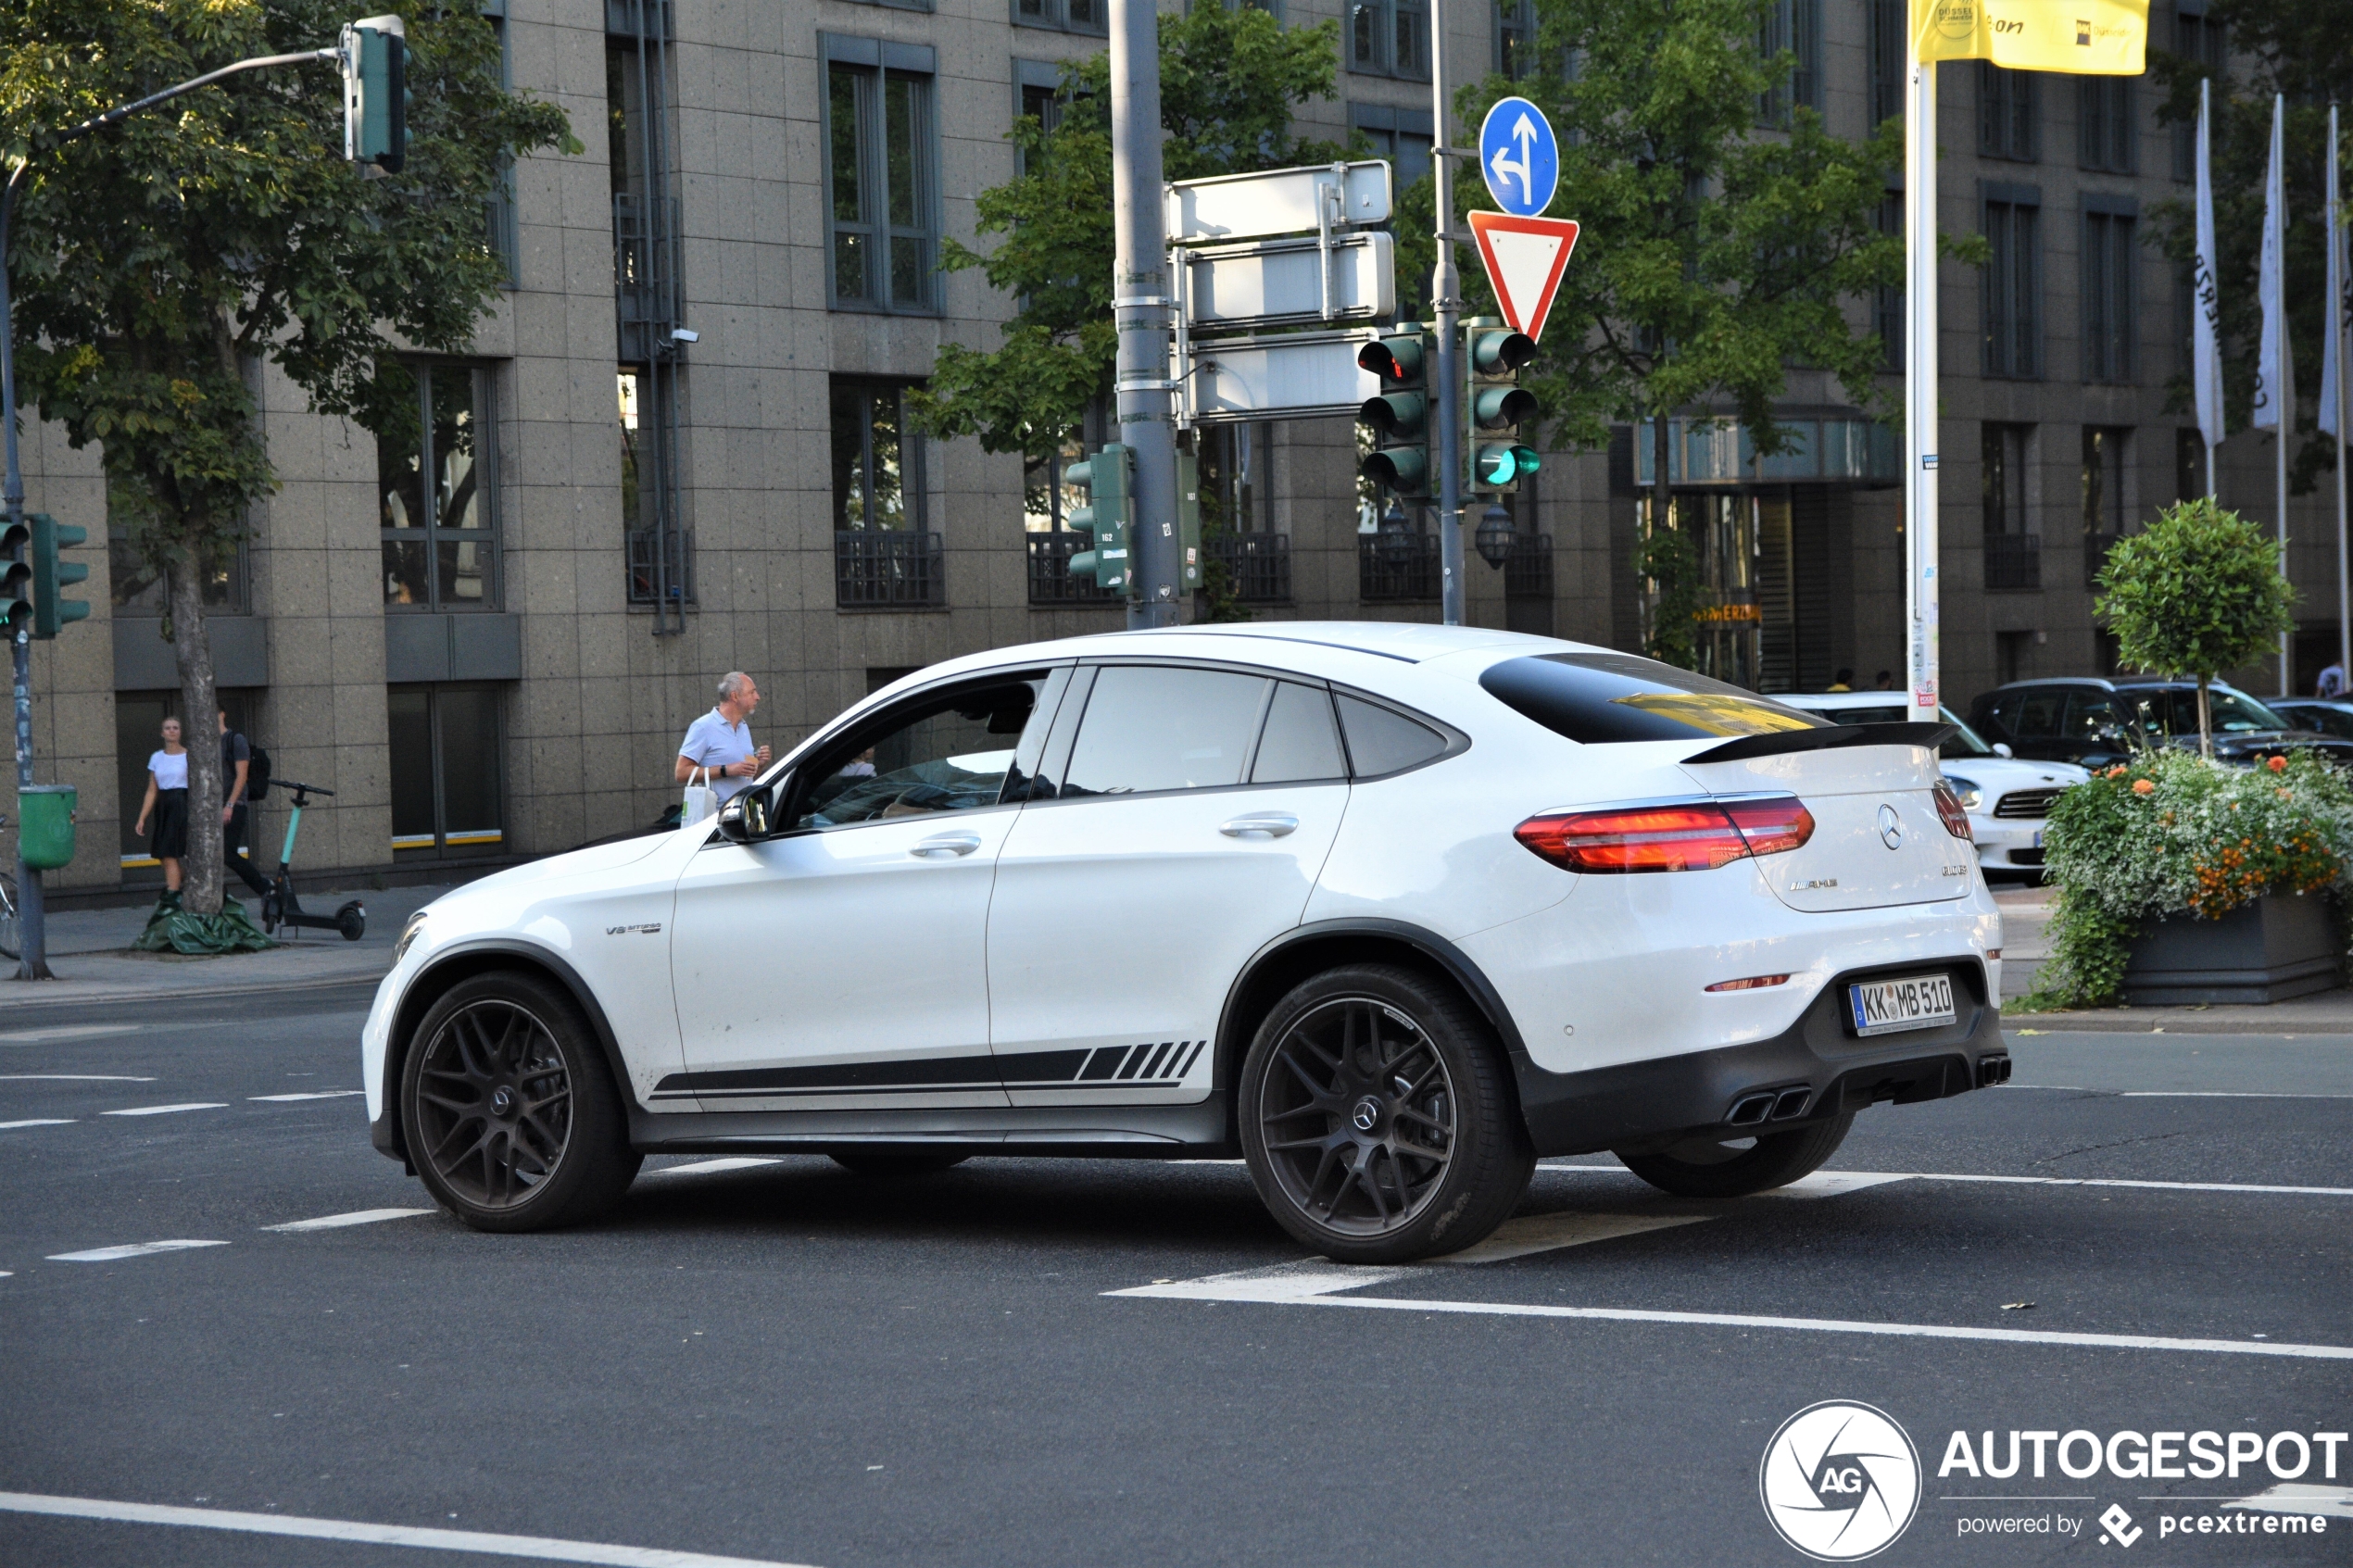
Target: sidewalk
{"x": 90, "y": 953}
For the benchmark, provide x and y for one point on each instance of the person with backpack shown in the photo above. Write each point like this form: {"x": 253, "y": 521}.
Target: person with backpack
{"x": 238, "y": 770}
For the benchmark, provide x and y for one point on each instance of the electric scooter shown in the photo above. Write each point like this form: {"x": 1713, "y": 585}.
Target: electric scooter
{"x": 280, "y": 906}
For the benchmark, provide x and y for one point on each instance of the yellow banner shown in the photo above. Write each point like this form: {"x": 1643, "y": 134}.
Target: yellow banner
{"x": 2079, "y": 37}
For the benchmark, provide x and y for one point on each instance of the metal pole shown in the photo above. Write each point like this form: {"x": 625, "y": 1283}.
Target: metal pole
{"x": 1140, "y": 292}
{"x": 2283, "y": 395}
{"x": 2333, "y": 317}
{"x": 1446, "y": 295}
{"x": 1919, "y": 390}
{"x": 32, "y": 962}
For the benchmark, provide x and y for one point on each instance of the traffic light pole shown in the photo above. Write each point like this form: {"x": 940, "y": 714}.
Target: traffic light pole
{"x": 1446, "y": 295}
{"x": 1139, "y": 307}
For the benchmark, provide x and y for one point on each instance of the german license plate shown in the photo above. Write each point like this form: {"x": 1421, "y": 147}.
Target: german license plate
{"x": 1888, "y": 1006}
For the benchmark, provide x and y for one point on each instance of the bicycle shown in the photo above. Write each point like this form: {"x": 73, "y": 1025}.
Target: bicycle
{"x": 11, "y": 943}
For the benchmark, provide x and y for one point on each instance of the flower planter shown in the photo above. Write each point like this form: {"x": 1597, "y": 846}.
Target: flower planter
{"x": 2281, "y": 945}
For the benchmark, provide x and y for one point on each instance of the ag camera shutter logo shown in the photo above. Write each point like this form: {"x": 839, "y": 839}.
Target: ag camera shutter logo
{"x": 1840, "y": 1481}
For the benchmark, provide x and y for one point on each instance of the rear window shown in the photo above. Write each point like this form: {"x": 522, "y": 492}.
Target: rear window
{"x": 1602, "y": 698}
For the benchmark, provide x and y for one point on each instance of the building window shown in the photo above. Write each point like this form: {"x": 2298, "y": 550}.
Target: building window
{"x": 660, "y": 561}
{"x": 2013, "y": 555}
{"x": 2013, "y": 289}
{"x": 1389, "y": 38}
{"x": 1516, "y": 39}
{"x": 1403, "y": 136}
{"x": 138, "y": 731}
{"x": 1794, "y": 27}
{"x": 2111, "y": 263}
{"x": 881, "y": 182}
{"x": 884, "y": 556}
{"x": 137, "y": 584}
{"x": 1887, "y": 301}
{"x": 2189, "y": 463}
{"x": 1889, "y": 74}
{"x": 2198, "y": 39}
{"x": 436, "y": 490}
{"x": 2104, "y": 505}
{"x": 2108, "y": 133}
{"x": 447, "y": 770}
{"x": 1066, "y": 16}
{"x": 2010, "y": 113}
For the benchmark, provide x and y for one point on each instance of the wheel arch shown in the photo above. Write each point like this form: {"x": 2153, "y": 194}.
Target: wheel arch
{"x": 1321, "y": 945}
{"x": 462, "y": 962}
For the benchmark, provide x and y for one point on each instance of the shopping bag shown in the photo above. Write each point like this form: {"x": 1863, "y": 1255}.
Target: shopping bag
{"x": 700, "y": 801}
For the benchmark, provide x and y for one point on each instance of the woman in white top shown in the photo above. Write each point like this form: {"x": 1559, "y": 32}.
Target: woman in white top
{"x": 167, "y": 802}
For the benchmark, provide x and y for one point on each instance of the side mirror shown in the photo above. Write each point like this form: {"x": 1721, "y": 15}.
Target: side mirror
{"x": 749, "y": 814}
{"x": 2002, "y": 748}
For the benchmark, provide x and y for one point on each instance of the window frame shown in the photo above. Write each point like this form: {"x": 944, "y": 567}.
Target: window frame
{"x": 2009, "y": 114}
{"x": 1386, "y": 15}
{"x": 1054, "y": 16}
{"x": 2107, "y": 124}
{"x": 2108, "y": 274}
{"x": 1515, "y": 35}
{"x": 912, "y": 477}
{"x": 877, "y": 64}
{"x": 490, "y": 538}
{"x": 1794, "y": 26}
{"x": 477, "y": 844}
{"x": 2011, "y": 282}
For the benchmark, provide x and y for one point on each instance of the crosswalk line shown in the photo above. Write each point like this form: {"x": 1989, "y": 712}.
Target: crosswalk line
{"x": 71, "y": 1078}
{"x": 312, "y": 1093}
{"x": 2299, "y": 1497}
{"x": 357, "y": 1217}
{"x": 168, "y": 1109}
{"x": 133, "y": 1250}
{"x": 1830, "y": 1184}
{"x": 706, "y": 1167}
{"x": 1544, "y": 1233}
{"x": 40, "y": 1121}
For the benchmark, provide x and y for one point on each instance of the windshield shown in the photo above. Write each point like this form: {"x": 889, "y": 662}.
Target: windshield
{"x": 1963, "y": 742}
{"x": 2173, "y": 711}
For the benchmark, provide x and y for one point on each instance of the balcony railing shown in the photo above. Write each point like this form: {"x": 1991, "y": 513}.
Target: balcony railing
{"x": 2013, "y": 562}
{"x": 1380, "y": 579}
{"x": 1050, "y": 579}
{"x": 1258, "y": 565}
{"x": 644, "y": 583}
{"x": 874, "y": 569}
{"x": 1528, "y": 570}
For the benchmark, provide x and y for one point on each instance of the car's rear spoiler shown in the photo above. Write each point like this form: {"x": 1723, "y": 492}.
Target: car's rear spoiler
{"x": 1780, "y": 743}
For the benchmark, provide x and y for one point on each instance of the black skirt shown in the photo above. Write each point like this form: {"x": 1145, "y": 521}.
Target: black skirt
{"x": 168, "y": 837}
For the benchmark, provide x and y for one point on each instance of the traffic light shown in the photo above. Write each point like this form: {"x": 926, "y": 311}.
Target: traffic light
{"x": 1109, "y": 516}
{"x": 1497, "y": 406}
{"x": 376, "y": 93}
{"x": 51, "y": 608}
{"x": 1400, "y": 413}
{"x": 15, "y": 576}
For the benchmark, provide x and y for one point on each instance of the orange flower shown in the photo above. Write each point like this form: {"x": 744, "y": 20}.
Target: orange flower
{"x": 2277, "y": 764}
{"x": 2144, "y": 787}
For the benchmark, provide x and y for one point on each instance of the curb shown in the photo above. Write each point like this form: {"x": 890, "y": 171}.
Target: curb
{"x": 37, "y": 993}
{"x": 2151, "y": 1022}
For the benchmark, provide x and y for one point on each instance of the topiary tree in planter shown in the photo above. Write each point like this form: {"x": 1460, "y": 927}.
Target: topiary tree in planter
{"x": 2198, "y": 592}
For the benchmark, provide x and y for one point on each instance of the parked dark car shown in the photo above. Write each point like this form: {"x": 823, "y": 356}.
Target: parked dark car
{"x": 2094, "y": 722}
{"x": 2330, "y": 716}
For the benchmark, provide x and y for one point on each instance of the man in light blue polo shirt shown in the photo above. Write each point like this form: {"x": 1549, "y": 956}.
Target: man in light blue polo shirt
{"x": 721, "y": 739}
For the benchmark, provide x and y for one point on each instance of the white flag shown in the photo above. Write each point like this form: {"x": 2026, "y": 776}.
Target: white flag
{"x": 2274, "y": 370}
{"x": 2338, "y": 325}
{"x": 2206, "y": 345}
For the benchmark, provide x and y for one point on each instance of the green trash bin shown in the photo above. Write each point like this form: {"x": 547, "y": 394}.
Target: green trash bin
{"x": 44, "y": 825}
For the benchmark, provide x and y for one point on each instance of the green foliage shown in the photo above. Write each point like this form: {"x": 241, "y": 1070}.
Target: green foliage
{"x": 2177, "y": 835}
{"x": 1671, "y": 561}
{"x": 1711, "y": 254}
{"x": 1229, "y": 79}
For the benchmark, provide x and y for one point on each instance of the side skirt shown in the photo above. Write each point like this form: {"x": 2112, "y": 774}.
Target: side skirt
{"x": 1132, "y": 1132}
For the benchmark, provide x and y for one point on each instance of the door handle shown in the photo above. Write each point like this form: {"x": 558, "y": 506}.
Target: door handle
{"x": 940, "y": 845}
{"x": 1261, "y": 824}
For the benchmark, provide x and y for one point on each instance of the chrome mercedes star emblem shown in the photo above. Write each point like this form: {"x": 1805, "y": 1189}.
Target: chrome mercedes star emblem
{"x": 1890, "y": 827}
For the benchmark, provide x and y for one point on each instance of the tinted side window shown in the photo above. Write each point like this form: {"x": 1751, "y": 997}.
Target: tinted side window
{"x": 1299, "y": 741}
{"x": 1148, "y": 728}
{"x": 1383, "y": 741}
{"x": 2037, "y": 717}
{"x": 946, "y": 752}
{"x": 2090, "y": 715}
{"x": 1600, "y": 697}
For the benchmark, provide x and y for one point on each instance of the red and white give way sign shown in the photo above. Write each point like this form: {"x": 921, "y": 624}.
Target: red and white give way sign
{"x": 1525, "y": 258}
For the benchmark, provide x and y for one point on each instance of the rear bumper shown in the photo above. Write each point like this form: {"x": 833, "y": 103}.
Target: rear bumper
{"x": 1649, "y": 1103}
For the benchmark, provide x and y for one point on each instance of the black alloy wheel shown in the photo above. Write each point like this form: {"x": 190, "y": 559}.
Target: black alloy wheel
{"x": 509, "y": 1116}
{"x": 1376, "y": 1119}
{"x": 1705, "y": 1167}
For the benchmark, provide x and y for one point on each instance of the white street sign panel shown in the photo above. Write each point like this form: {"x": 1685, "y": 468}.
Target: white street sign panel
{"x": 1293, "y": 377}
{"x": 1280, "y": 201}
{"x": 1300, "y": 280}
{"x": 1519, "y": 156}
{"x": 1525, "y": 260}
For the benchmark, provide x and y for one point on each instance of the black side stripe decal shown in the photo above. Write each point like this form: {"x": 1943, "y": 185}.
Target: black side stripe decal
{"x": 1143, "y": 1065}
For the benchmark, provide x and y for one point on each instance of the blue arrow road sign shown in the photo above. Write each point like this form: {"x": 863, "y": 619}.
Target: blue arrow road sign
{"x": 1519, "y": 156}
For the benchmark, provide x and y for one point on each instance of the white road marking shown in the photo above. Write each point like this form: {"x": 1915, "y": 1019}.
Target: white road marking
{"x": 1544, "y": 1233}
{"x": 1869, "y": 1178}
{"x": 69, "y": 1032}
{"x": 2177, "y": 1094}
{"x": 1829, "y": 1183}
{"x": 69, "y": 1078}
{"x": 133, "y": 1250}
{"x": 1317, "y": 1283}
{"x": 540, "y": 1547}
{"x": 2296, "y": 1497}
{"x": 704, "y": 1167}
{"x": 168, "y": 1109}
{"x": 41, "y": 1122}
{"x": 315, "y": 1094}
{"x": 357, "y": 1217}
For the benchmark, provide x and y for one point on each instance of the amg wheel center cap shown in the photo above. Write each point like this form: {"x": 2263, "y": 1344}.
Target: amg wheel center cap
{"x": 1367, "y": 1116}
{"x": 502, "y": 1102}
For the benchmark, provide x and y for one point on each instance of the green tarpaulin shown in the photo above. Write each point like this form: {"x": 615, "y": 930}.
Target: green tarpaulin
{"x": 174, "y": 930}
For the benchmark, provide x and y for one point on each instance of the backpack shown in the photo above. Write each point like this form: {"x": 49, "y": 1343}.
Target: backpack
{"x": 256, "y": 771}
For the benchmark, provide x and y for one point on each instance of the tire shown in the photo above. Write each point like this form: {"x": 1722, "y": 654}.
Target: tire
{"x": 273, "y": 909}
{"x": 512, "y": 1120}
{"x": 897, "y": 1162}
{"x": 1703, "y": 1168}
{"x": 352, "y": 921}
{"x": 1355, "y": 1167}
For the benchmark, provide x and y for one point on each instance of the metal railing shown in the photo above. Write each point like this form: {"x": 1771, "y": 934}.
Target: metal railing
{"x": 646, "y": 549}
{"x": 1415, "y": 576}
{"x": 645, "y": 287}
{"x": 2013, "y": 562}
{"x": 1050, "y": 579}
{"x": 1528, "y": 570}
{"x": 1257, "y": 564}
{"x": 888, "y": 569}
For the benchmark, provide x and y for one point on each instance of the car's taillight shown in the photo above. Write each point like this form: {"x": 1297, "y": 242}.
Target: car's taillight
{"x": 1949, "y": 808}
{"x": 1700, "y": 836}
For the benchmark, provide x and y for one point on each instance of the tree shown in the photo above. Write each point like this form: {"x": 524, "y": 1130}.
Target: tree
{"x": 157, "y": 264}
{"x": 2302, "y": 48}
{"x": 1723, "y": 237}
{"x": 2198, "y": 592}
{"x": 1228, "y": 81}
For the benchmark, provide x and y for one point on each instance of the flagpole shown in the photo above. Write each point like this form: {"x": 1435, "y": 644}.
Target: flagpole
{"x": 2334, "y": 318}
{"x": 2205, "y": 344}
{"x": 1919, "y": 385}
{"x": 2282, "y": 394}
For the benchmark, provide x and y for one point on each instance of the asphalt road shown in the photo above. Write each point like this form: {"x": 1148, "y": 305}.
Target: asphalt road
{"x": 787, "y": 1363}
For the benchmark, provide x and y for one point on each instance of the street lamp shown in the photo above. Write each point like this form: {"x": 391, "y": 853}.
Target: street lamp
{"x": 1396, "y": 537}
{"x": 1494, "y": 536}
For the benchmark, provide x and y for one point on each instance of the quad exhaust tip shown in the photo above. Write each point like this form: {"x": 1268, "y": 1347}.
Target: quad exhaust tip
{"x": 1771, "y": 1105}
{"x": 1993, "y": 1070}
{"x": 1792, "y": 1102}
